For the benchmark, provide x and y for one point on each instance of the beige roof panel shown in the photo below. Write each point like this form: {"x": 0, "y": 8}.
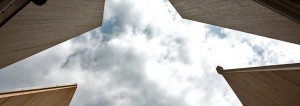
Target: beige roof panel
{"x": 243, "y": 15}
{"x": 48, "y": 96}
{"x": 36, "y": 28}
{"x": 277, "y": 85}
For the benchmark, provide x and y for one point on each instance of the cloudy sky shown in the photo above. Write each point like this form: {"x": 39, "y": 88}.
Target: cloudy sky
{"x": 145, "y": 54}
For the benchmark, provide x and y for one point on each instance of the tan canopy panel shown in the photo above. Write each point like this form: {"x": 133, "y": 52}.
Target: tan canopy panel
{"x": 270, "y": 18}
{"x": 277, "y": 85}
{"x": 48, "y": 96}
{"x": 41, "y": 24}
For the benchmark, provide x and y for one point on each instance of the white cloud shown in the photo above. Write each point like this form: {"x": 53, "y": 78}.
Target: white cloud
{"x": 146, "y": 55}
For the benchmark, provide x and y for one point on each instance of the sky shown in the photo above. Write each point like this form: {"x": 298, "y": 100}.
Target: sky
{"x": 145, "y": 54}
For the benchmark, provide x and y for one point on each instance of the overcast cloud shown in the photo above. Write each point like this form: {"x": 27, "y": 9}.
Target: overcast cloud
{"x": 145, "y": 54}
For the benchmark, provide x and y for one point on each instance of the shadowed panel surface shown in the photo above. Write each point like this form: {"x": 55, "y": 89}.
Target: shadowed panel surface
{"x": 243, "y": 15}
{"x": 36, "y": 28}
{"x": 266, "y": 86}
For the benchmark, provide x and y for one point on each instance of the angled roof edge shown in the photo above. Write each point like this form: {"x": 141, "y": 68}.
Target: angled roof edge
{"x": 281, "y": 67}
{"x": 35, "y": 90}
